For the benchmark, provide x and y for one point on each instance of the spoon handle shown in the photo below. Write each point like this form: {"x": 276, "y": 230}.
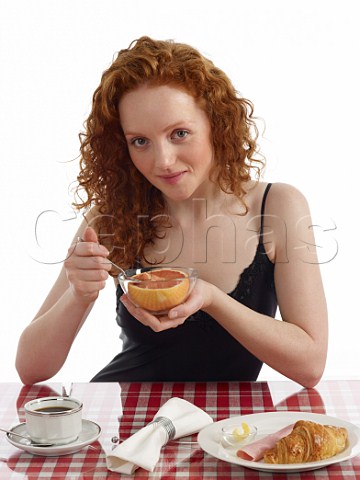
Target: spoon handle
{"x": 30, "y": 442}
{"x": 13, "y": 433}
{"x": 79, "y": 239}
{"x": 116, "y": 266}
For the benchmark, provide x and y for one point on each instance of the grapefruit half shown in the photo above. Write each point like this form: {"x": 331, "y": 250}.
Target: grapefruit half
{"x": 160, "y": 290}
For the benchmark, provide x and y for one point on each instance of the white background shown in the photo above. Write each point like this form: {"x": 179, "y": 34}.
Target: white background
{"x": 297, "y": 61}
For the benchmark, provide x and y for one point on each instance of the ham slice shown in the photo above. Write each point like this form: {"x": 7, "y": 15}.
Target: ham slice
{"x": 255, "y": 451}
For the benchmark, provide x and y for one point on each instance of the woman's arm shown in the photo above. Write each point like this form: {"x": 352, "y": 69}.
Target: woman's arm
{"x": 296, "y": 346}
{"x": 46, "y": 341}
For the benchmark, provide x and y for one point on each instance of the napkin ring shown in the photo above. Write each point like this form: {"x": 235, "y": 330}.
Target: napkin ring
{"x": 168, "y": 426}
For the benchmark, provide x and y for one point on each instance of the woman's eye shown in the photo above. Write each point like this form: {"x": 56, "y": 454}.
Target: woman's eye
{"x": 180, "y": 133}
{"x": 138, "y": 142}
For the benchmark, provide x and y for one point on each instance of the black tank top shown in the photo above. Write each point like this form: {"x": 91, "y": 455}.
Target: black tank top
{"x": 200, "y": 349}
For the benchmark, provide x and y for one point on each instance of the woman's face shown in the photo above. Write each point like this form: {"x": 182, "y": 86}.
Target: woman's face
{"x": 169, "y": 139}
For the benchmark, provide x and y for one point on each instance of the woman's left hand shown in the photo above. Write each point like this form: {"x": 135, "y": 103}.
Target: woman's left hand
{"x": 199, "y": 298}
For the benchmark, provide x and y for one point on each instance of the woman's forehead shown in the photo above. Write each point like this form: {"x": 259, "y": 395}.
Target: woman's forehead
{"x": 145, "y": 100}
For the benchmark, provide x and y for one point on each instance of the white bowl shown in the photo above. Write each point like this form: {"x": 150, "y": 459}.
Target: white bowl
{"x": 235, "y": 436}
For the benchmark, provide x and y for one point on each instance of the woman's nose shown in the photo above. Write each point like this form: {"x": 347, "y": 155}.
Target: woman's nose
{"x": 164, "y": 156}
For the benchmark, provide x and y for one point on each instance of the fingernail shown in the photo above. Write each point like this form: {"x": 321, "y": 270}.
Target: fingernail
{"x": 173, "y": 314}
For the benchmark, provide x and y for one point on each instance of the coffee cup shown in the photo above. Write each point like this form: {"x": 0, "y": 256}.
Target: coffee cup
{"x": 55, "y": 420}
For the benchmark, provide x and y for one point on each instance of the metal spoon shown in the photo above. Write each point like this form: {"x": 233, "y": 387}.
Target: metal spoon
{"x": 123, "y": 273}
{"x": 119, "y": 268}
{"x": 30, "y": 442}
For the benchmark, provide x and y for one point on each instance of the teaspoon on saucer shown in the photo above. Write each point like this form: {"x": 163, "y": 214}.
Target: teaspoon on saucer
{"x": 29, "y": 442}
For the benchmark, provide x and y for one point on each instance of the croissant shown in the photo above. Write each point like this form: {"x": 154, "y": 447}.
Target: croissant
{"x": 308, "y": 442}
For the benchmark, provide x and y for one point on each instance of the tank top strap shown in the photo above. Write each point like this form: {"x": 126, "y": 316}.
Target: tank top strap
{"x": 268, "y": 186}
{"x": 137, "y": 263}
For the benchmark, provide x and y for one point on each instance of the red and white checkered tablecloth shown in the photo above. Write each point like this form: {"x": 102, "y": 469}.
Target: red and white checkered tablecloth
{"x": 121, "y": 409}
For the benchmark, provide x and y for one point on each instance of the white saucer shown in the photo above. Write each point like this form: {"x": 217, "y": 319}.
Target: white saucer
{"x": 89, "y": 433}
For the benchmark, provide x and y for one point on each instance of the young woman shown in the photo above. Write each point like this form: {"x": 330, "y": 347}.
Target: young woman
{"x": 169, "y": 175}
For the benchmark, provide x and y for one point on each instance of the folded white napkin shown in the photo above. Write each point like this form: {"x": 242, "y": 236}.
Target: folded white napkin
{"x": 176, "y": 418}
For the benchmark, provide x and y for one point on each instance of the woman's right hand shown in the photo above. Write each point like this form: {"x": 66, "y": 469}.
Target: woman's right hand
{"x": 86, "y": 267}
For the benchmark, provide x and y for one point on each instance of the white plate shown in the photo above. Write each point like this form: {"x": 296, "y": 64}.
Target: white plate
{"x": 90, "y": 432}
{"x": 266, "y": 423}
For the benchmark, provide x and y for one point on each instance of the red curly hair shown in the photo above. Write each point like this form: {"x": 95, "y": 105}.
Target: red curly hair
{"x": 122, "y": 196}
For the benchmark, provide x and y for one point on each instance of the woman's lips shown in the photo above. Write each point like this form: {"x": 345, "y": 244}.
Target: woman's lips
{"x": 172, "y": 178}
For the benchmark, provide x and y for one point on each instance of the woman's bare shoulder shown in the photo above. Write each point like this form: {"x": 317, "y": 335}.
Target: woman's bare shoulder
{"x": 288, "y": 218}
{"x": 286, "y": 200}
{"x": 92, "y": 213}
{"x": 282, "y": 200}
{"x": 90, "y": 218}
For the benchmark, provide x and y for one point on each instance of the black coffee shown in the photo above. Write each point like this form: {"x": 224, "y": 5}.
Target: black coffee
{"x": 53, "y": 409}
